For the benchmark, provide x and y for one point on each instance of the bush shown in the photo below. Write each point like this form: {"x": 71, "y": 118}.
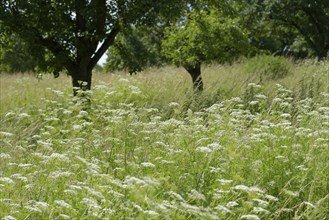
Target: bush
{"x": 267, "y": 67}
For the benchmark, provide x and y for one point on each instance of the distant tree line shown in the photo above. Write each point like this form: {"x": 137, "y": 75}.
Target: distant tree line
{"x": 48, "y": 36}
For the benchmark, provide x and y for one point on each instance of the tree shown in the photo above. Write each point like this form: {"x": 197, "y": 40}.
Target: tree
{"x": 14, "y": 55}
{"x": 136, "y": 49}
{"x": 209, "y": 34}
{"x": 78, "y": 32}
{"x": 310, "y": 18}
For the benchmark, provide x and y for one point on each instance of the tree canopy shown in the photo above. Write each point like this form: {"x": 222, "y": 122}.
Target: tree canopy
{"x": 15, "y": 55}
{"x": 78, "y": 32}
{"x": 136, "y": 49}
{"x": 204, "y": 36}
{"x": 307, "y": 18}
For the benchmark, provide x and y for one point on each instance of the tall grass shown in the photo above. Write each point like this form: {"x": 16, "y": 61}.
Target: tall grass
{"x": 148, "y": 149}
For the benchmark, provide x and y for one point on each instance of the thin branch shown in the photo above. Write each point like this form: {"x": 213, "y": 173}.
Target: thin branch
{"x": 109, "y": 40}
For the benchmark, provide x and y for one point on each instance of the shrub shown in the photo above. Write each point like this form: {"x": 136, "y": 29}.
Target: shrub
{"x": 267, "y": 67}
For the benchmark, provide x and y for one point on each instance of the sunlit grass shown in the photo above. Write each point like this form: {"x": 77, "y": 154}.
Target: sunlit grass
{"x": 148, "y": 149}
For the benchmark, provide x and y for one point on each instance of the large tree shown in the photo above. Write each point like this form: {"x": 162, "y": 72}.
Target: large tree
{"x": 309, "y": 18}
{"x": 206, "y": 34}
{"x": 78, "y": 32}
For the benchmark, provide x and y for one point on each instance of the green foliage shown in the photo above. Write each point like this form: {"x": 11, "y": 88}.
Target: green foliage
{"x": 136, "y": 49}
{"x": 238, "y": 158}
{"x": 268, "y": 67}
{"x": 205, "y": 37}
{"x": 309, "y": 19}
{"x": 15, "y": 55}
{"x": 77, "y": 33}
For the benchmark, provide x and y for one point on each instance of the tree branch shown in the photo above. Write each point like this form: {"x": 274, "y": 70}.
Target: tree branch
{"x": 59, "y": 53}
{"x": 109, "y": 40}
{"x": 100, "y": 16}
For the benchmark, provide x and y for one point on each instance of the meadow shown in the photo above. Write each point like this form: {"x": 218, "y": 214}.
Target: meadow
{"x": 248, "y": 147}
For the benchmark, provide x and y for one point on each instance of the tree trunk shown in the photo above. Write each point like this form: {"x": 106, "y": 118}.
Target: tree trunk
{"x": 195, "y": 72}
{"x": 81, "y": 81}
{"x": 322, "y": 52}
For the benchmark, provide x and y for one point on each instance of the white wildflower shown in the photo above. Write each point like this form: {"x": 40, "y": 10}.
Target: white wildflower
{"x": 60, "y": 157}
{"x": 253, "y": 102}
{"x": 191, "y": 208}
{"x": 6, "y": 134}
{"x": 70, "y": 192}
{"x": 63, "y": 216}
{"x": 7, "y": 180}
{"x": 151, "y": 181}
{"x": 232, "y": 204}
{"x": 170, "y": 205}
{"x": 302, "y": 167}
{"x": 223, "y": 209}
{"x": 242, "y": 188}
{"x": 57, "y": 174}
{"x": 32, "y": 209}
{"x": 5, "y": 156}
{"x": 167, "y": 162}
{"x": 215, "y": 146}
{"x": 224, "y": 181}
{"x": 309, "y": 204}
{"x": 19, "y": 177}
{"x": 63, "y": 204}
{"x": 76, "y": 127}
{"x": 215, "y": 107}
{"x": 291, "y": 193}
{"x": 261, "y": 96}
{"x": 195, "y": 195}
{"x": 45, "y": 144}
{"x": 24, "y": 115}
{"x": 75, "y": 187}
{"x": 115, "y": 194}
{"x": 29, "y": 186}
{"x": 173, "y": 105}
{"x": 135, "y": 90}
{"x": 277, "y": 100}
{"x": 285, "y": 115}
{"x": 147, "y": 164}
{"x": 83, "y": 113}
{"x": 236, "y": 99}
{"x": 10, "y": 114}
{"x": 250, "y": 217}
{"x": 86, "y": 124}
{"x": 132, "y": 181}
{"x": 203, "y": 150}
{"x": 52, "y": 119}
{"x": 91, "y": 203}
{"x": 43, "y": 206}
{"x": 214, "y": 169}
{"x": 151, "y": 212}
{"x": 256, "y": 189}
{"x": 260, "y": 210}
{"x": 125, "y": 80}
{"x": 67, "y": 112}
{"x": 24, "y": 165}
{"x": 94, "y": 192}
{"x": 176, "y": 195}
{"x": 262, "y": 203}
{"x": 8, "y": 217}
{"x": 254, "y": 85}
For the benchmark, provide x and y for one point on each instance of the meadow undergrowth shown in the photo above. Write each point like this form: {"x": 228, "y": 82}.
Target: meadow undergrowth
{"x": 136, "y": 154}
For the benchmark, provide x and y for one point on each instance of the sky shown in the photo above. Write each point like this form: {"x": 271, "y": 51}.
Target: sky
{"x": 102, "y": 60}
